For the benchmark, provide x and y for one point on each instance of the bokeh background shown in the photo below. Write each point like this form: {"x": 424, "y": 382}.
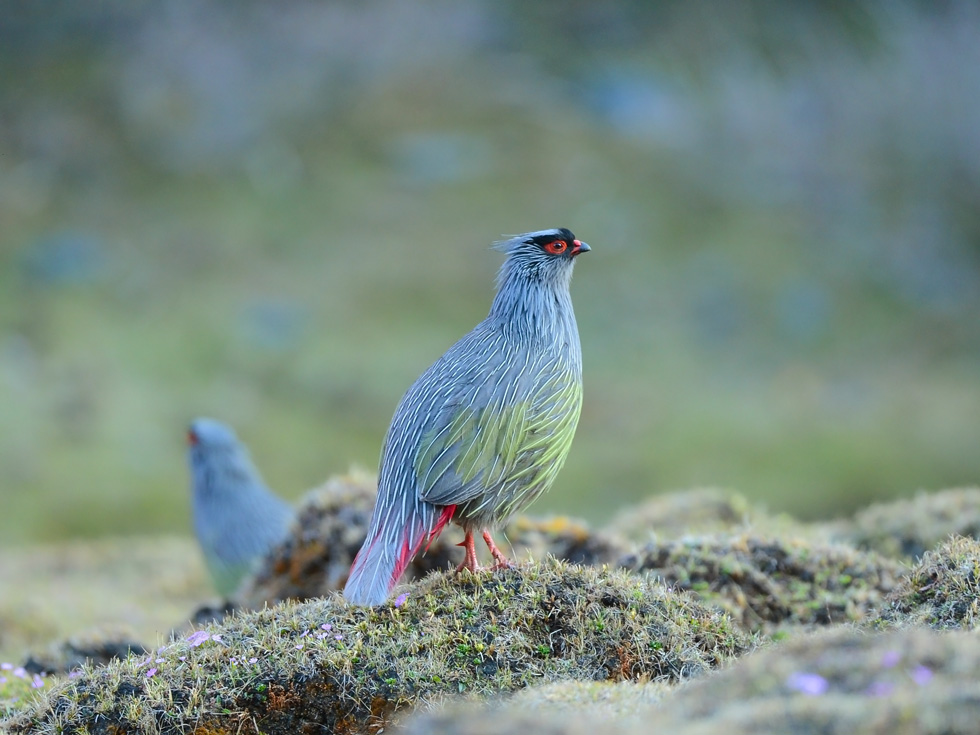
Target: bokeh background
{"x": 279, "y": 214}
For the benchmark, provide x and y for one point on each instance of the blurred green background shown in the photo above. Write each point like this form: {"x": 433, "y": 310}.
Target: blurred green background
{"x": 279, "y": 214}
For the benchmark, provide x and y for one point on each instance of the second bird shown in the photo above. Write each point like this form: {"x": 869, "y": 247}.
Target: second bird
{"x": 485, "y": 430}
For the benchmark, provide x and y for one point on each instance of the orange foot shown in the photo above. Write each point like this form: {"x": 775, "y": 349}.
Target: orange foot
{"x": 502, "y": 562}
{"x": 469, "y": 561}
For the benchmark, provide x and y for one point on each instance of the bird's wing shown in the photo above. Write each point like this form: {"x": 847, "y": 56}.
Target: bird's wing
{"x": 506, "y": 425}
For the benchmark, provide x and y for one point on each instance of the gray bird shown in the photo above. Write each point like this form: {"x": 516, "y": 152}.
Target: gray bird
{"x": 236, "y": 518}
{"x": 485, "y": 430}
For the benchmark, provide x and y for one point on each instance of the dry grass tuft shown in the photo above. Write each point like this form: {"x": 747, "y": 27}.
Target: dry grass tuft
{"x": 941, "y": 591}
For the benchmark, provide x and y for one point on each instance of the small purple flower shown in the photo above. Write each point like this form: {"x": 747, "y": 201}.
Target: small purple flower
{"x": 326, "y": 626}
{"x": 812, "y": 685}
{"x": 151, "y": 672}
{"x": 216, "y": 637}
{"x": 74, "y": 673}
{"x": 6, "y": 667}
{"x": 234, "y": 659}
{"x": 3, "y": 679}
{"x": 304, "y": 634}
{"x": 197, "y": 638}
{"x": 921, "y": 675}
{"x": 400, "y": 600}
{"x": 182, "y": 658}
{"x": 339, "y": 637}
{"x": 880, "y": 689}
{"x": 20, "y": 672}
{"x": 299, "y": 646}
{"x": 321, "y": 636}
{"x": 890, "y": 659}
{"x": 36, "y": 682}
{"x": 252, "y": 660}
{"x": 160, "y": 660}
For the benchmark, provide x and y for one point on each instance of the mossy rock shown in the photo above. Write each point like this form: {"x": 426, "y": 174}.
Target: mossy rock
{"x": 908, "y": 528}
{"x": 592, "y": 699}
{"x": 327, "y": 666}
{"x": 840, "y": 682}
{"x": 705, "y": 511}
{"x": 93, "y": 647}
{"x": 332, "y": 522}
{"x": 833, "y": 682}
{"x": 586, "y": 707}
{"x": 941, "y": 591}
{"x": 565, "y": 538}
{"x": 771, "y": 584}
{"x": 670, "y": 515}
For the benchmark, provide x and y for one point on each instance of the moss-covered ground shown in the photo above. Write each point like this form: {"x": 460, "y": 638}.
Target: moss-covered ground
{"x": 551, "y": 646}
{"x": 909, "y": 527}
{"x": 332, "y": 667}
{"x": 771, "y": 583}
{"x": 840, "y": 682}
{"x": 941, "y": 590}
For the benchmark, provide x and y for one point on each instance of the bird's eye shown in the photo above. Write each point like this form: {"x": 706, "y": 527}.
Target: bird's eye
{"x": 556, "y": 247}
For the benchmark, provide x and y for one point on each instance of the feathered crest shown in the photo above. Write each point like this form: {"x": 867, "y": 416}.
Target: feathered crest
{"x": 511, "y": 243}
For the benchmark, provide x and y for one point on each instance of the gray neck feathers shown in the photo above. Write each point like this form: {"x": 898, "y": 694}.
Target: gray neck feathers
{"x": 534, "y": 308}
{"x": 225, "y": 473}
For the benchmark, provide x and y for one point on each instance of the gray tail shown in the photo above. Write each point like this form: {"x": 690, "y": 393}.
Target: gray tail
{"x": 392, "y": 542}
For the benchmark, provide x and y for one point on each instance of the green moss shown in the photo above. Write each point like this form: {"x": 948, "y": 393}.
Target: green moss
{"x": 941, "y": 591}
{"x": 908, "y": 528}
{"x": 840, "y": 682}
{"x": 768, "y": 583}
{"x": 282, "y": 670}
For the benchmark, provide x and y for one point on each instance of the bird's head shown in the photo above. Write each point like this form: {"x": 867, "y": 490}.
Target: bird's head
{"x": 210, "y": 434}
{"x": 214, "y": 450}
{"x": 546, "y": 256}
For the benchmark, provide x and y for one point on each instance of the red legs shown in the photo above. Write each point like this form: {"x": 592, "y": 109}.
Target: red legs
{"x": 502, "y": 561}
{"x": 470, "y": 561}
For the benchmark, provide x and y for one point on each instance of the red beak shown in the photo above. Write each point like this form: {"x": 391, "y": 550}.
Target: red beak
{"x": 579, "y": 247}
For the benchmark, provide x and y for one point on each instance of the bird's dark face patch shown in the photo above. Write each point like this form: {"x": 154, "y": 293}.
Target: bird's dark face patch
{"x": 558, "y": 242}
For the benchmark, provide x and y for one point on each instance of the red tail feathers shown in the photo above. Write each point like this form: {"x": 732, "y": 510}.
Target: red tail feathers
{"x": 375, "y": 571}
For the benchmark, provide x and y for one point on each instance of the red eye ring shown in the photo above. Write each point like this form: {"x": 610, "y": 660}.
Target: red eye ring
{"x": 556, "y": 247}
